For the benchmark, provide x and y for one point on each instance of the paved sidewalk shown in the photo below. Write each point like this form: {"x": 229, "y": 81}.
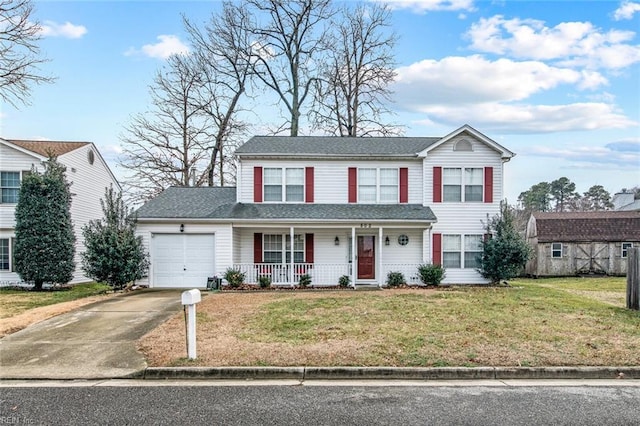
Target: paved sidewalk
{"x": 96, "y": 341}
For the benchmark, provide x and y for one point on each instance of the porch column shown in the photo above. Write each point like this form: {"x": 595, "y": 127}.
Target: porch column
{"x": 379, "y": 259}
{"x": 353, "y": 256}
{"x": 291, "y": 238}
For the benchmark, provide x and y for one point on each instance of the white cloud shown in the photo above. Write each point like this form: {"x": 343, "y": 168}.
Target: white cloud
{"x": 166, "y": 46}
{"x": 626, "y": 10}
{"x": 66, "y": 30}
{"x": 506, "y": 118}
{"x": 575, "y": 43}
{"x": 422, "y": 6}
{"x": 589, "y": 156}
{"x": 475, "y": 79}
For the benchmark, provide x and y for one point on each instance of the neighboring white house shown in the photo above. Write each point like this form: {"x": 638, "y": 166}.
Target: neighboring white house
{"x": 329, "y": 206}
{"x": 87, "y": 172}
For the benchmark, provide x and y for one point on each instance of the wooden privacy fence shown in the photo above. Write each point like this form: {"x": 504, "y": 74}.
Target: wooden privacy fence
{"x": 633, "y": 279}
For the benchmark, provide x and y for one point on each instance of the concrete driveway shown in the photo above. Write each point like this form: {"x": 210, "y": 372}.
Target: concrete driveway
{"x": 94, "y": 342}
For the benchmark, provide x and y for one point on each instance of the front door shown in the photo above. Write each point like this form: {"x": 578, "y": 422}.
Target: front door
{"x": 366, "y": 257}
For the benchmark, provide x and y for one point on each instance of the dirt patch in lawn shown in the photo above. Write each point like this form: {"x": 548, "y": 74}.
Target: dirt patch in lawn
{"x": 32, "y": 316}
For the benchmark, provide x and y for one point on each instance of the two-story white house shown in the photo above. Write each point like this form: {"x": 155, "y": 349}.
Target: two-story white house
{"x": 87, "y": 172}
{"x": 329, "y": 206}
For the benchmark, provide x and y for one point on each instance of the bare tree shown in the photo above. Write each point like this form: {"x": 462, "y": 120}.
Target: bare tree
{"x": 286, "y": 44}
{"x": 167, "y": 146}
{"x": 20, "y": 55}
{"x": 352, "y": 96}
{"x": 220, "y": 56}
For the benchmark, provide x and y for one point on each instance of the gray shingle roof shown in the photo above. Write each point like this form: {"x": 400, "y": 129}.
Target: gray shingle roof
{"x": 219, "y": 203}
{"x": 335, "y": 146}
{"x": 612, "y": 226}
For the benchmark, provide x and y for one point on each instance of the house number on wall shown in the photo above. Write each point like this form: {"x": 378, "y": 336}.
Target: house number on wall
{"x": 365, "y": 225}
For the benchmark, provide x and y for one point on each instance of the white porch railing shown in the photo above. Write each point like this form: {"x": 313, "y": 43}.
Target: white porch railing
{"x": 283, "y": 274}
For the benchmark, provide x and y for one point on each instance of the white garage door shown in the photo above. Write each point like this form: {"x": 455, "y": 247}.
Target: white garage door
{"x": 182, "y": 260}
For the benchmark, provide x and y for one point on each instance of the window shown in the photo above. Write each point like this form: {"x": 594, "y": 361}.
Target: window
{"x": 625, "y": 249}
{"x": 5, "y": 255}
{"x": 472, "y": 251}
{"x": 289, "y": 190}
{"x": 451, "y": 249}
{"x": 473, "y": 179}
{"x": 277, "y": 247}
{"x": 556, "y": 250}
{"x": 378, "y": 185}
{"x": 272, "y": 248}
{"x": 10, "y": 187}
{"x": 453, "y": 184}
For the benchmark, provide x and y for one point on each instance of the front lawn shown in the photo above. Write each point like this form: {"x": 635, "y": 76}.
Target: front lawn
{"x": 17, "y": 301}
{"x": 533, "y": 323}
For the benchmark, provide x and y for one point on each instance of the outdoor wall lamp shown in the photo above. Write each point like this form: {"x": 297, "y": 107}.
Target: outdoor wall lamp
{"x": 386, "y": 241}
{"x": 336, "y": 241}
{"x": 182, "y": 227}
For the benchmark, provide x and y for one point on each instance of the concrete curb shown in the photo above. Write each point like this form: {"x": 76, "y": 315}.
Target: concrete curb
{"x": 389, "y": 373}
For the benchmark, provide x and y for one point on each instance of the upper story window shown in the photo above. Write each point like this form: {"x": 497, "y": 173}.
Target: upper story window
{"x": 10, "y": 187}
{"x": 284, "y": 184}
{"x": 462, "y": 184}
{"x": 378, "y": 185}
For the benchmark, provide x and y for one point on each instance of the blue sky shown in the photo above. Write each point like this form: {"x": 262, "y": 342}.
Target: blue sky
{"x": 558, "y": 82}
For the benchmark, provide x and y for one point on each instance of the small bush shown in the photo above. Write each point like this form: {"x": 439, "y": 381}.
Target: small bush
{"x": 344, "y": 281}
{"x": 431, "y": 274}
{"x": 395, "y": 279}
{"x": 234, "y": 277}
{"x": 305, "y": 280}
{"x": 264, "y": 281}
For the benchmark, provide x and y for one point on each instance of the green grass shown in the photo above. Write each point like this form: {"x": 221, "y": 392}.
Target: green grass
{"x": 13, "y": 302}
{"x": 534, "y": 322}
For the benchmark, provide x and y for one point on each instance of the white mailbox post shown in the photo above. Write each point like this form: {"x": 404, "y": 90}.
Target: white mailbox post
{"x": 189, "y": 299}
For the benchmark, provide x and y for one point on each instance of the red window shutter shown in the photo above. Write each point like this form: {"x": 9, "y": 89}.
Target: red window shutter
{"x": 308, "y": 190}
{"x": 404, "y": 185}
{"x": 257, "y": 184}
{"x": 437, "y": 184}
{"x": 488, "y": 184}
{"x": 257, "y": 247}
{"x": 353, "y": 185}
{"x": 437, "y": 249}
{"x": 308, "y": 247}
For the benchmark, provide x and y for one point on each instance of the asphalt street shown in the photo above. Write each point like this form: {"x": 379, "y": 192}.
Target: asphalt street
{"x": 168, "y": 404}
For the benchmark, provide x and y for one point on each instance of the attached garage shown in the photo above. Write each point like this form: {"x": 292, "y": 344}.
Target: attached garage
{"x": 182, "y": 260}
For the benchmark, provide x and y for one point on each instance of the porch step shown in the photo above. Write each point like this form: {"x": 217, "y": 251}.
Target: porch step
{"x": 367, "y": 287}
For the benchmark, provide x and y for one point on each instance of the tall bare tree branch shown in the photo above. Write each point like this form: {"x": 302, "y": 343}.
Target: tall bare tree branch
{"x": 20, "y": 56}
{"x": 353, "y": 95}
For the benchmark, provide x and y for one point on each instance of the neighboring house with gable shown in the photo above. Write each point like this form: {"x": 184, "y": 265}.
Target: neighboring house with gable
{"x": 626, "y": 201}
{"x": 328, "y": 207}
{"x": 575, "y": 243}
{"x": 87, "y": 172}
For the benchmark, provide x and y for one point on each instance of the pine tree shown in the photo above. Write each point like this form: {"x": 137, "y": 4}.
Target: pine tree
{"x": 114, "y": 254}
{"x": 45, "y": 242}
{"x": 504, "y": 251}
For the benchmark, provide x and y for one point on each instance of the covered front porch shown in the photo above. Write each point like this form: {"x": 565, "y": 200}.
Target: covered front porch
{"x": 364, "y": 252}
